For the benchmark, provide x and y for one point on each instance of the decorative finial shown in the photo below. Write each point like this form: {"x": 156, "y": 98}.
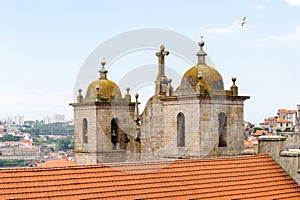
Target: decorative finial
{"x": 98, "y": 97}
{"x": 201, "y": 42}
{"x": 79, "y": 97}
{"x": 136, "y": 118}
{"x": 127, "y": 95}
{"x": 233, "y": 79}
{"x": 200, "y": 76}
{"x": 103, "y": 71}
{"x": 200, "y": 86}
{"x": 234, "y": 88}
{"x": 103, "y": 63}
{"x": 136, "y": 108}
{"x": 201, "y": 54}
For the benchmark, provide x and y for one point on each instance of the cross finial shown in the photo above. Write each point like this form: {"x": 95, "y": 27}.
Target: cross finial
{"x": 161, "y": 55}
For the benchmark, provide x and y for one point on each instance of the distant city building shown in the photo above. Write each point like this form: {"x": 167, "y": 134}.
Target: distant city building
{"x": 54, "y": 119}
{"x": 19, "y": 120}
{"x": 58, "y": 119}
{"x": 47, "y": 120}
{"x": 286, "y": 120}
{"x": 15, "y": 120}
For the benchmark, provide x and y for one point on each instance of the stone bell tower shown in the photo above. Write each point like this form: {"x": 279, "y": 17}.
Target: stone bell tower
{"x": 199, "y": 119}
{"x": 104, "y": 125}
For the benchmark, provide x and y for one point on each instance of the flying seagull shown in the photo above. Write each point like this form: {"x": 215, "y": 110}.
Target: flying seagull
{"x": 244, "y": 21}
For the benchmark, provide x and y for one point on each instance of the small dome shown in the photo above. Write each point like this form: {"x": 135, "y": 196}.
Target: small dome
{"x": 104, "y": 88}
{"x": 210, "y": 78}
{"x": 107, "y": 89}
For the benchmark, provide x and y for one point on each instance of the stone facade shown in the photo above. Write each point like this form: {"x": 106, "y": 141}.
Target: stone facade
{"x": 198, "y": 119}
{"x": 202, "y": 124}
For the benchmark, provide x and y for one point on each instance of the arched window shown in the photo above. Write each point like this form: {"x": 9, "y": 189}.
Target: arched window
{"x": 222, "y": 130}
{"x": 114, "y": 132}
{"x": 84, "y": 130}
{"x": 180, "y": 130}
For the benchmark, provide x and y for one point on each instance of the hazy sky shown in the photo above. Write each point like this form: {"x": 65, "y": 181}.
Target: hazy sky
{"x": 43, "y": 45}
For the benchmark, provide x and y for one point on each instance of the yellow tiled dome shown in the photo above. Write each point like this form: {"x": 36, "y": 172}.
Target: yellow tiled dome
{"x": 107, "y": 89}
{"x": 211, "y": 78}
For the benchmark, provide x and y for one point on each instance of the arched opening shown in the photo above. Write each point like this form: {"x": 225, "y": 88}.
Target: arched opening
{"x": 222, "y": 130}
{"x": 114, "y": 133}
{"x": 85, "y": 130}
{"x": 180, "y": 130}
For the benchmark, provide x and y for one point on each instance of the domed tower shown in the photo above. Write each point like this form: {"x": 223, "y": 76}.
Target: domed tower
{"x": 104, "y": 122}
{"x": 200, "y": 119}
{"x": 213, "y": 116}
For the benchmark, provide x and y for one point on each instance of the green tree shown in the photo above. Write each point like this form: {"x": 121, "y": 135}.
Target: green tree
{"x": 9, "y": 137}
{"x": 65, "y": 144}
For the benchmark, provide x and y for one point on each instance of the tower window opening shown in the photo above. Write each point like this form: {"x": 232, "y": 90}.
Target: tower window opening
{"x": 222, "y": 130}
{"x": 180, "y": 130}
{"x": 84, "y": 130}
{"x": 114, "y": 133}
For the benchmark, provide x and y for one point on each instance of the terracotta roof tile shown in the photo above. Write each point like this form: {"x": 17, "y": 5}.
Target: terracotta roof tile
{"x": 283, "y": 121}
{"x": 57, "y": 163}
{"x": 227, "y": 178}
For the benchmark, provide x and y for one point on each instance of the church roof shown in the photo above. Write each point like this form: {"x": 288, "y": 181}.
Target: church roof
{"x": 241, "y": 177}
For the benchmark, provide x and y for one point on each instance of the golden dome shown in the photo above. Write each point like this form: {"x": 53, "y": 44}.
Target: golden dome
{"x": 107, "y": 90}
{"x": 103, "y": 89}
{"x": 210, "y": 78}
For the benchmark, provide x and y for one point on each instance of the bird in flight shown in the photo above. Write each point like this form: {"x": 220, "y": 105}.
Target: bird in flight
{"x": 243, "y": 21}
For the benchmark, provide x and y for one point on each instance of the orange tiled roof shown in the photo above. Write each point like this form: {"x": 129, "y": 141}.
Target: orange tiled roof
{"x": 283, "y": 121}
{"x": 287, "y": 111}
{"x": 57, "y": 163}
{"x": 283, "y": 111}
{"x": 241, "y": 177}
{"x": 261, "y": 132}
{"x": 270, "y": 119}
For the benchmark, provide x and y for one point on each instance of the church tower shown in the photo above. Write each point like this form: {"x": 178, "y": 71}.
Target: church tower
{"x": 104, "y": 124}
{"x": 198, "y": 119}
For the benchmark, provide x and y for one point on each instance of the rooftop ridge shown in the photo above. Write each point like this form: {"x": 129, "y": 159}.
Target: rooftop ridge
{"x": 250, "y": 176}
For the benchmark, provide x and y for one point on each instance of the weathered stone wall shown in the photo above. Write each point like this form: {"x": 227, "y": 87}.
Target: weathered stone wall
{"x": 293, "y": 138}
{"x": 159, "y": 126}
{"x": 290, "y": 161}
{"x": 159, "y": 129}
{"x": 99, "y": 147}
{"x": 80, "y": 148}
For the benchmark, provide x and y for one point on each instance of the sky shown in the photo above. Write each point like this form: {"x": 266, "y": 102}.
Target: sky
{"x": 44, "y": 45}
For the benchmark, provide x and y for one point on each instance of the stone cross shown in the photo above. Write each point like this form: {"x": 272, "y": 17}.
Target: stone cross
{"x": 161, "y": 69}
{"x": 161, "y": 55}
